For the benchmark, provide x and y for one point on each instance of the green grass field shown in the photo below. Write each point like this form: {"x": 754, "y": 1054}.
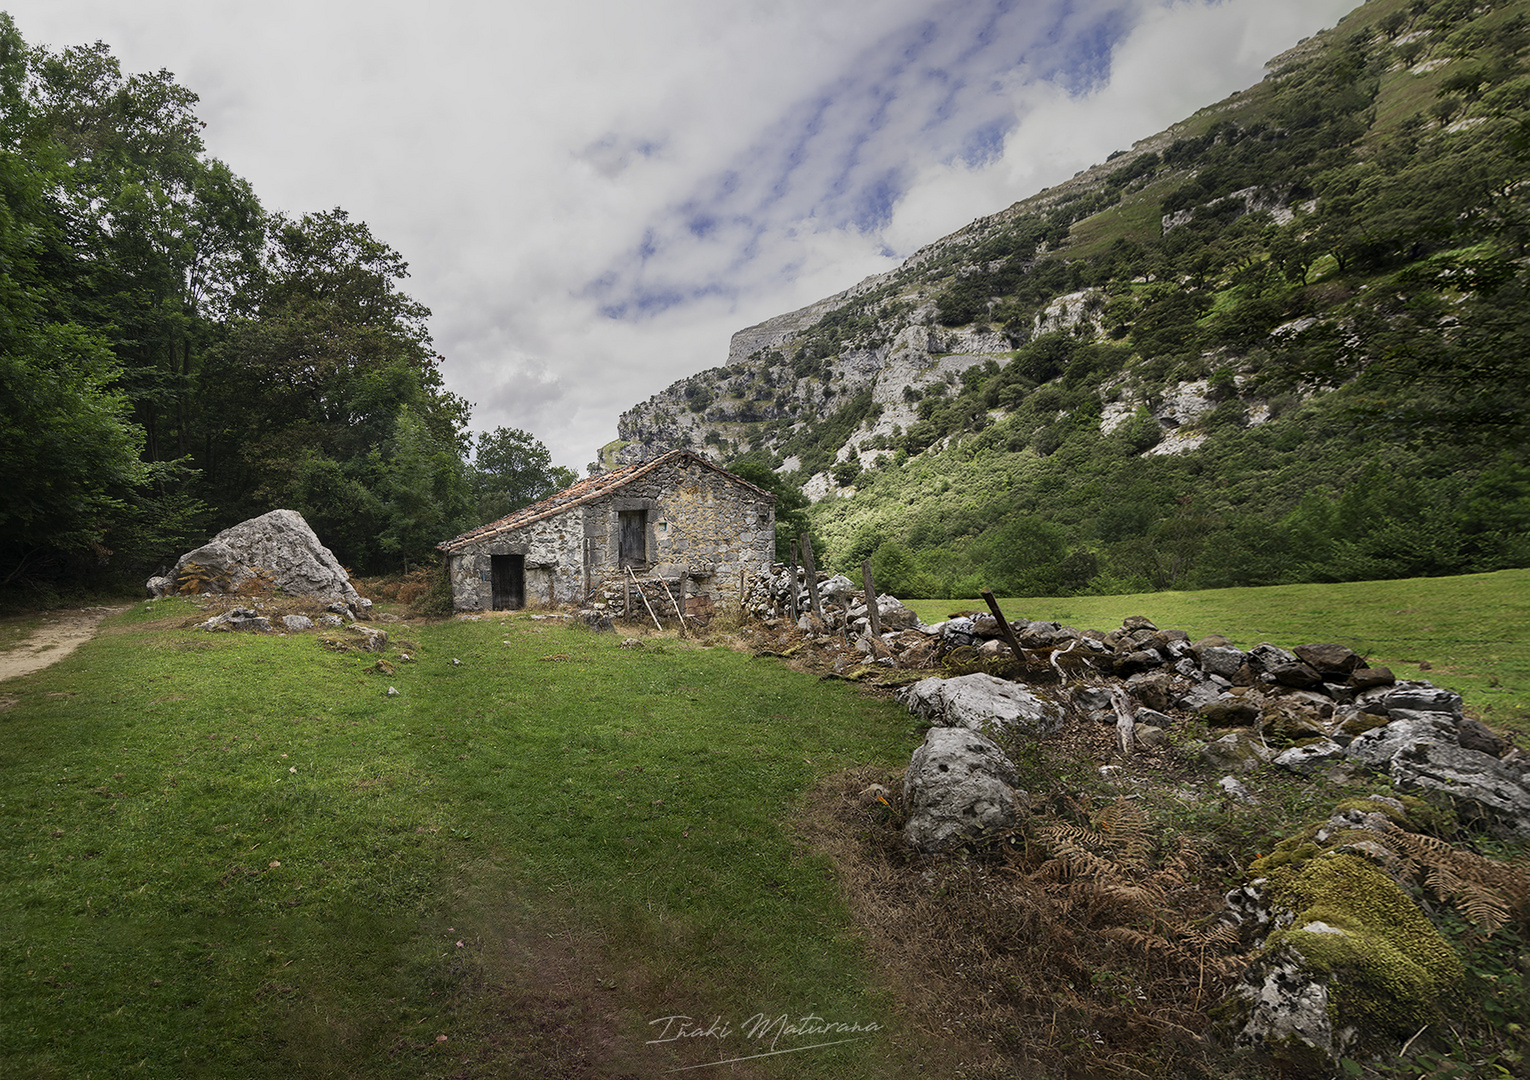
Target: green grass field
{"x": 237, "y": 855}
{"x": 231, "y": 855}
{"x": 1472, "y": 631}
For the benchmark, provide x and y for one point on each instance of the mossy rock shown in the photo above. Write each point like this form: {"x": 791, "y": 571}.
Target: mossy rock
{"x": 1386, "y": 965}
{"x": 964, "y": 660}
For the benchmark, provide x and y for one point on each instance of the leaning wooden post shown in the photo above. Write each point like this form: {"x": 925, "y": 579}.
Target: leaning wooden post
{"x": 1004, "y": 627}
{"x": 644, "y": 595}
{"x": 812, "y": 575}
{"x": 872, "y": 614}
{"x": 792, "y": 603}
{"x": 679, "y": 612}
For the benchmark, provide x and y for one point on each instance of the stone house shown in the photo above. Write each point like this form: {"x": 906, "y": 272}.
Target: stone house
{"x": 677, "y": 517}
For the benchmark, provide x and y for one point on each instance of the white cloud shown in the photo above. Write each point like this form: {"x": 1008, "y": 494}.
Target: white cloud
{"x": 773, "y": 151}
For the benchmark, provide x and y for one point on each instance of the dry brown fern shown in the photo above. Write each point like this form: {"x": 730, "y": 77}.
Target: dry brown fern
{"x": 1490, "y": 894}
{"x": 259, "y": 583}
{"x": 194, "y": 578}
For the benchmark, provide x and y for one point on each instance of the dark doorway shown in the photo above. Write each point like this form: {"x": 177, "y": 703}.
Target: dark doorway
{"x": 633, "y": 550}
{"x": 509, "y": 580}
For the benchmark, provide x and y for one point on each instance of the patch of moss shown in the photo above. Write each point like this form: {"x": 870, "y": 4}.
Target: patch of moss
{"x": 1388, "y": 966}
{"x": 1293, "y": 850}
{"x": 1432, "y": 818}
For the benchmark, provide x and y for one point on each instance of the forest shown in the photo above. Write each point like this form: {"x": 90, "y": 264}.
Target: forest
{"x": 175, "y": 357}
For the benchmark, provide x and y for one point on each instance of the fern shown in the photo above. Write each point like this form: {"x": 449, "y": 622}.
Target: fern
{"x": 1489, "y": 894}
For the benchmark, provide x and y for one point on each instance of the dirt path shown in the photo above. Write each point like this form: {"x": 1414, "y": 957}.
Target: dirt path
{"x": 56, "y": 638}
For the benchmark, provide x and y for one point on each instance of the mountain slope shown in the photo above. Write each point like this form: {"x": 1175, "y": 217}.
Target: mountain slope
{"x": 1283, "y": 340}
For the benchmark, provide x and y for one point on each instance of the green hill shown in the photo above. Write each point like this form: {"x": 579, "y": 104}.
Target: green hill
{"x": 1282, "y": 341}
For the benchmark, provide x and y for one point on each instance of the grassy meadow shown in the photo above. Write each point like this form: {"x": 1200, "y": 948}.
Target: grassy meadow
{"x": 235, "y": 855}
{"x": 238, "y": 855}
{"x": 1472, "y": 631}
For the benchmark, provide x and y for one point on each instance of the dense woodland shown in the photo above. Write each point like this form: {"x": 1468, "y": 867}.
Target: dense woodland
{"x": 1340, "y": 251}
{"x": 175, "y": 358}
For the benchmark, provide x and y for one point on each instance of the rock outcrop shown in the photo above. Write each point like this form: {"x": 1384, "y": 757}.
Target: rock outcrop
{"x": 279, "y": 547}
{"x": 959, "y": 787}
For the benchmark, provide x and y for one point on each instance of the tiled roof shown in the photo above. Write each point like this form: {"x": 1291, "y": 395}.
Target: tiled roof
{"x": 587, "y": 490}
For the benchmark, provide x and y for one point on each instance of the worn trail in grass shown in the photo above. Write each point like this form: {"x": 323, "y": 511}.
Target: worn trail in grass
{"x": 230, "y": 855}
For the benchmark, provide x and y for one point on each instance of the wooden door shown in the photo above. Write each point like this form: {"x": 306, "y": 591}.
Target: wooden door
{"x": 509, "y": 581}
{"x": 633, "y": 543}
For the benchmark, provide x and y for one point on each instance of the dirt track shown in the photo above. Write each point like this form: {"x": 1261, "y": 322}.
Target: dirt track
{"x": 60, "y": 635}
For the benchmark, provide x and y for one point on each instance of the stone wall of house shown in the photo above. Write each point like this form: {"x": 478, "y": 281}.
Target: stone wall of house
{"x": 715, "y": 523}
{"x": 698, "y": 521}
{"x": 701, "y": 526}
{"x": 554, "y": 567}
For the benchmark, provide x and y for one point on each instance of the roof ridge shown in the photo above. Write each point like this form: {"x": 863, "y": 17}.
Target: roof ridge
{"x": 593, "y": 487}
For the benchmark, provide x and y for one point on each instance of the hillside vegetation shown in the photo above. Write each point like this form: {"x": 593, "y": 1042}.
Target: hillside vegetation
{"x": 1283, "y": 341}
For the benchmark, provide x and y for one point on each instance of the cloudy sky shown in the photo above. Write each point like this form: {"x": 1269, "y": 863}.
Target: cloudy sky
{"x": 594, "y": 194}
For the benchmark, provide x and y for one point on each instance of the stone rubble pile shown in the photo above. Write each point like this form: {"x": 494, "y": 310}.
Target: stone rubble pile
{"x": 904, "y": 642}
{"x": 1317, "y": 710}
{"x": 624, "y": 599}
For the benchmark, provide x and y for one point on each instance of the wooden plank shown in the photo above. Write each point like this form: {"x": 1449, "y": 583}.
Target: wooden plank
{"x": 872, "y": 614}
{"x": 679, "y": 612}
{"x": 1004, "y": 627}
{"x": 644, "y": 595}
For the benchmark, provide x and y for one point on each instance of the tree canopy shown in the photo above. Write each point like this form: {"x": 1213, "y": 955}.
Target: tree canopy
{"x": 175, "y": 358}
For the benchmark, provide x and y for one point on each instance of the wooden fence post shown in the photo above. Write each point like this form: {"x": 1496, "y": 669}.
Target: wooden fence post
{"x": 1004, "y": 627}
{"x": 873, "y": 615}
{"x": 792, "y": 604}
{"x": 812, "y": 575}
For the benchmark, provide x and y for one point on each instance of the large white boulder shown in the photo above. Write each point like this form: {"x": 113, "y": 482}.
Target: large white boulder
{"x": 959, "y": 787}
{"x": 279, "y": 544}
{"x": 981, "y": 702}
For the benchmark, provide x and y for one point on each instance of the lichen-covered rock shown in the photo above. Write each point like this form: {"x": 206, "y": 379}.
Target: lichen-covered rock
{"x": 1423, "y": 697}
{"x": 1238, "y": 751}
{"x": 1378, "y": 746}
{"x": 981, "y": 702}
{"x": 1352, "y": 962}
{"x": 1265, "y": 656}
{"x": 959, "y": 787}
{"x": 238, "y": 619}
{"x": 893, "y": 615}
{"x": 1310, "y": 757}
{"x": 279, "y": 545}
{"x": 356, "y": 636}
{"x": 1483, "y": 789}
{"x": 837, "y": 590}
{"x": 1287, "y": 1014}
{"x": 1230, "y": 710}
